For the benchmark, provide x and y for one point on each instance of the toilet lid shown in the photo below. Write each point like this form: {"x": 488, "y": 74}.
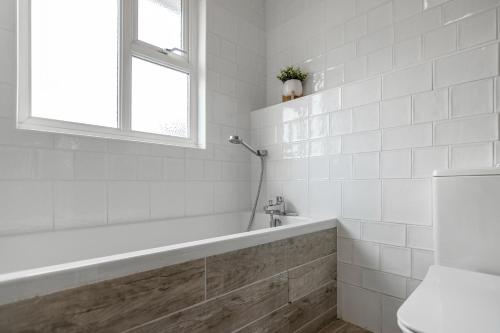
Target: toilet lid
{"x": 453, "y": 300}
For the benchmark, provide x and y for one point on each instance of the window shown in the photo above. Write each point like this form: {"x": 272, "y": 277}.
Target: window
{"x": 125, "y": 69}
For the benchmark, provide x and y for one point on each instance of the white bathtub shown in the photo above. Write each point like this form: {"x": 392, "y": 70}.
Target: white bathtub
{"x": 39, "y": 264}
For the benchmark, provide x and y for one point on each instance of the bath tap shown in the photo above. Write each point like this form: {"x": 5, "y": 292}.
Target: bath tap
{"x": 276, "y": 208}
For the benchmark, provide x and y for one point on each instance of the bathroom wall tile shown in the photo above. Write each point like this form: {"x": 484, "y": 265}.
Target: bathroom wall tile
{"x": 380, "y": 61}
{"x": 477, "y": 29}
{"x": 421, "y": 260}
{"x": 80, "y": 204}
{"x": 379, "y": 17}
{"x": 430, "y": 106}
{"x": 456, "y": 10}
{"x": 122, "y": 167}
{"x": 355, "y": 28}
{"x": 355, "y": 70}
{"x": 426, "y": 160}
{"x": 395, "y": 163}
{"x": 16, "y": 163}
{"x": 324, "y": 198}
{"x": 477, "y": 129}
{"x": 150, "y": 168}
{"x": 385, "y": 283}
{"x": 406, "y": 8}
{"x": 440, "y": 41}
{"x": 472, "y": 156}
{"x": 232, "y": 270}
{"x": 167, "y": 200}
{"x": 361, "y": 199}
{"x": 341, "y": 122}
{"x": 365, "y": 118}
{"x": 366, "y": 254}
{"x": 13, "y": 200}
{"x": 476, "y": 64}
{"x": 385, "y": 233}
{"x": 8, "y": 14}
{"x": 420, "y": 237}
{"x": 340, "y": 55}
{"x": 173, "y": 169}
{"x": 341, "y": 167}
{"x": 395, "y": 112}
{"x": 90, "y": 165}
{"x": 350, "y": 274}
{"x": 117, "y": 304}
{"x": 366, "y": 166}
{"x": 128, "y": 202}
{"x": 335, "y": 37}
{"x": 396, "y": 260}
{"x": 361, "y": 93}
{"x": 257, "y": 300}
{"x": 418, "y": 24}
{"x": 361, "y": 307}
{"x": 349, "y": 228}
{"x": 390, "y": 306}
{"x": 345, "y": 250}
{"x": 472, "y": 98}
{"x": 319, "y": 126}
{"x": 304, "y": 279}
{"x": 296, "y": 193}
{"x": 408, "y": 52}
{"x": 53, "y": 164}
{"x": 412, "y": 208}
{"x": 363, "y": 6}
{"x": 340, "y": 11}
{"x": 375, "y": 41}
{"x": 361, "y": 142}
{"x": 408, "y": 136}
{"x": 408, "y": 81}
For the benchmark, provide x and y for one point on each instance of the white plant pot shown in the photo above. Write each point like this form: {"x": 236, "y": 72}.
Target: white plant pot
{"x": 292, "y": 89}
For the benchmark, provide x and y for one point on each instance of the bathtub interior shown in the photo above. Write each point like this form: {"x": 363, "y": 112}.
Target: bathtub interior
{"x": 32, "y": 251}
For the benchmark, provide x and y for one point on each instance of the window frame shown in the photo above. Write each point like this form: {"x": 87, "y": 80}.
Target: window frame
{"x": 194, "y": 35}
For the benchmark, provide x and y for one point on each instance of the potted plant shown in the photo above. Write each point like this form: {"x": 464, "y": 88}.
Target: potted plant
{"x": 292, "y": 78}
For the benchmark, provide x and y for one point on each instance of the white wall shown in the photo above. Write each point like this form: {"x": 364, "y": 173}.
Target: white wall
{"x": 406, "y": 86}
{"x": 50, "y": 181}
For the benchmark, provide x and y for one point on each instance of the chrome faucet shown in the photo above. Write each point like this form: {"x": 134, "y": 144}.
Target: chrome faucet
{"x": 276, "y": 208}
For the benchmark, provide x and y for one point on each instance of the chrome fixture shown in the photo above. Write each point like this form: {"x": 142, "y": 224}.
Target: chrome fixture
{"x": 234, "y": 139}
{"x": 276, "y": 208}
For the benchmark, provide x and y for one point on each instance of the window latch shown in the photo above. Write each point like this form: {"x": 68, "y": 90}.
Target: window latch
{"x": 173, "y": 50}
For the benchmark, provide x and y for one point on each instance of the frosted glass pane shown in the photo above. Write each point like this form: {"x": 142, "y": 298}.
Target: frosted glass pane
{"x": 74, "y": 59}
{"x": 160, "y": 22}
{"x": 159, "y": 99}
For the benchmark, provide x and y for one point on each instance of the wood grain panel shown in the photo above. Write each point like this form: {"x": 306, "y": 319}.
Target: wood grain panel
{"x": 305, "y": 278}
{"x": 308, "y": 247}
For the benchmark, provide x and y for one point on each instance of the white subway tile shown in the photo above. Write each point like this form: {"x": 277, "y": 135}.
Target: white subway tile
{"x": 54, "y": 164}
{"x": 128, "y": 202}
{"x": 411, "y": 285}
{"x": 465, "y": 130}
{"x": 441, "y": 41}
{"x": 345, "y": 248}
{"x": 408, "y": 81}
{"x": 386, "y": 233}
{"x": 340, "y": 11}
{"x": 335, "y": 37}
{"x": 474, "y": 65}
{"x": 355, "y": 28}
{"x": 201, "y": 198}
{"x": 122, "y": 167}
{"x": 456, "y": 10}
{"x": 8, "y": 14}
{"x": 341, "y": 167}
{"x": 366, "y": 165}
{"x": 421, "y": 260}
{"x": 361, "y": 93}
{"x": 406, "y": 8}
{"x": 150, "y": 168}
{"x": 477, "y": 29}
{"x": 355, "y": 69}
{"x": 349, "y": 228}
{"x": 380, "y": 17}
{"x": 15, "y": 197}
{"x": 361, "y": 199}
{"x": 80, "y": 204}
{"x": 167, "y": 199}
{"x": 16, "y": 163}
{"x": 326, "y": 101}
{"x": 324, "y": 198}
{"x": 418, "y": 24}
{"x": 340, "y": 55}
{"x": 350, "y": 274}
{"x": 319, "y": 168}
{"x": 430, "y": 106}
{"x": 366, "y": 254}
{"x": 365, "y": 118}
{"x": 470, "y": 156}
{"x": 407, "y": 137}
{"x": 296, "y": 194}
{"x": 380, "y": 61}
{"x": 414, "y": 207}
{"x": 361, "y": 307}
{"x": 7, "y": 100}
{"x": 361, "y": 142}
{"x": 390, "y": 306}
{"x": 396, "y": 112}
{"x": 90, "y": 165}
{"x": 384, "y": 283}
{"x": 396, "y": 260}
{"x": 341, "y": 122}
{"x": 497, "y": 154}
{"x": 426, "y": 160}
{"x": 173, "y": 169}
{"x": 420, "y": 237}
{"x": 395, "y": 163}
{"x": 472, "y": 98}
{"x": 408, "y": 52}
{"x": 7, "y": 56}
{"x": 375, "y": 41}
{"x": 334, "y": 77}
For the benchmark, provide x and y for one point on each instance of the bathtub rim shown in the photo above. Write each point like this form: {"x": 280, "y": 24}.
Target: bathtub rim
{"x": 25, "y": 284}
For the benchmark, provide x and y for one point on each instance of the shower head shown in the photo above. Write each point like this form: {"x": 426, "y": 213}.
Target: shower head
{"x": 234, "y": 139}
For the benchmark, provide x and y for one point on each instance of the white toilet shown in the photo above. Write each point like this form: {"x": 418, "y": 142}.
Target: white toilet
{"x": 461, "y": 292}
